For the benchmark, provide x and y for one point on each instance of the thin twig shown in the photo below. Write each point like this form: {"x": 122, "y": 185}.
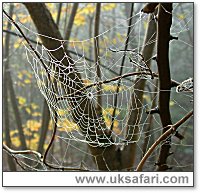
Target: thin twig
{"x": 172, "y": 129}
{"x": 107, "y": 81}
{"x": 139, "y": 54}
{"x": 39, "y": 156}
{"x": 15, "y": 152}
{"x": 21, "y": 32}
{"x": 122, "y": 66}
{"x": 51, "y": 143}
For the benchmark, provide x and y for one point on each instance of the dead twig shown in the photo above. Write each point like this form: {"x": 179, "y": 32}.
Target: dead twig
{"x": 172, "y": 129}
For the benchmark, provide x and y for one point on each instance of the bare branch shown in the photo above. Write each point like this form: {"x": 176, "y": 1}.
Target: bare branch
{"x": 15, "y": 152}
{"x": 171, "y": 130}
{"x": 107, "y": 81}
{"x": 39, "y": 157}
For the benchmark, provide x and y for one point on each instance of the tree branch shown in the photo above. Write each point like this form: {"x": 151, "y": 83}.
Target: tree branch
{"x": 39, "y": 157}
{"x": 171, "y": 129}
{"x": 108, "y": 81}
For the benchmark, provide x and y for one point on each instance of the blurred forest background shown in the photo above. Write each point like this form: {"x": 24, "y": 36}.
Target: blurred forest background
{"x": 27, "y": 122}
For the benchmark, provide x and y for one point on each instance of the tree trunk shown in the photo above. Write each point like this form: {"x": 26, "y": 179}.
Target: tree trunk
{"x": 16, "y": 112}
{"x": 44, "y": 127}
{"x": 135, "y": 112}
{"x": 71, "y": 22}
{"x": 105, "y": 157}
{"x": 6, "y": 122}
{"x": 97, "y": 58}
{"x": 46, "y": 113}
{"x": 163, "y": 37}
{"x": 59, "y": 13}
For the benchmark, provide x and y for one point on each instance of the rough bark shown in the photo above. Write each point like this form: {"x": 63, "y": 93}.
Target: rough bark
{"x": 163, "y": 37}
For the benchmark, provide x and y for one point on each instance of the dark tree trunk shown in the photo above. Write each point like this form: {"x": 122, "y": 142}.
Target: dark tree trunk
{"x": 163, "y": 36}
{"x": 96, "y": 56}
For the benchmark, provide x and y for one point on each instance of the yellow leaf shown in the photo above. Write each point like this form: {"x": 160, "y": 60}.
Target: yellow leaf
{"x": 61, "y": 112}
{"x": 88, "y": 9}
{"x": 181, "y": 16}
{"x": 27, "y": 81}
{"x": 79, "y": 19}
{"x": 20, "y": 75}
{"x": 17, "y": 43}
{"x": 50, "y": 6}
{"x": 54, "y": 15}
{"x": 34, "y": 106}
{"x": 27, "y": 132}
{"x": 33, "y": 143}
{"x": 25, "y": 19}
{"x": 114, "y": 41}
{"x": 108, "y": 6}
{"x": 16, "y": 141}
{"x": 86, "y": 82}
{"x": 67, "y": 125}
{"x": 28, "y": 110}
{"x": 36, "y": 114}
{"x": 33, "y": 125}
{"x": 117, "y": 131}
{"x": 21, "y": 100}
{"x": 13, "y": 132}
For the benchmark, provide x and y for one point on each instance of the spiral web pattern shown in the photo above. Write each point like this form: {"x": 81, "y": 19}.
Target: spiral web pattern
{"x": 72, "y": 90}
{"x": 69, "y": 99}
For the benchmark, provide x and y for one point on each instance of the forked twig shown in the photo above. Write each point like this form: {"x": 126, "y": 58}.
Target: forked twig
{"x": 142, "y": 59}
{"x": 39, "y": 157}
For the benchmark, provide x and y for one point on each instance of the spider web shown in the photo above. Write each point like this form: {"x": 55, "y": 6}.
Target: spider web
{"x": 72, "y": 92}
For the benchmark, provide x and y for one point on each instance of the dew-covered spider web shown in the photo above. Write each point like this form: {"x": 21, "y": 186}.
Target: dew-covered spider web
{"x": 91, "y": 103}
